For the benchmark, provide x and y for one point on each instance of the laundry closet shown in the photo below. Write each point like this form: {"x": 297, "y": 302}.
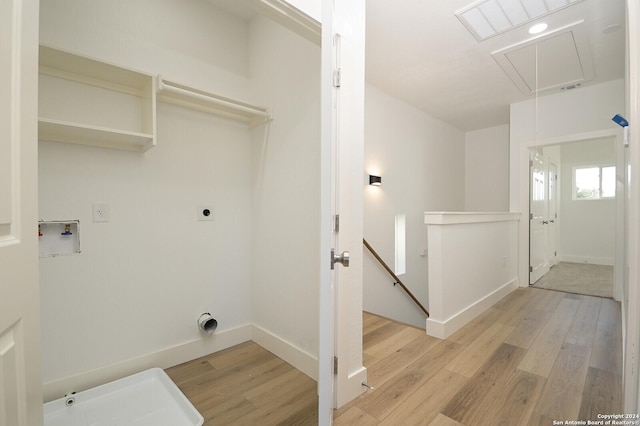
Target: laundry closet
{"x": 151, "y": 113}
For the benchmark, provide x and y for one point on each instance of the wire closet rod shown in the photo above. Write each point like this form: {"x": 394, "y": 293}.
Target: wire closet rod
{"x": 212, "y": 99}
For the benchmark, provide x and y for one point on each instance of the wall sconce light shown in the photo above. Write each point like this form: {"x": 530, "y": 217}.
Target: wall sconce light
{"x": 375, "y": 180}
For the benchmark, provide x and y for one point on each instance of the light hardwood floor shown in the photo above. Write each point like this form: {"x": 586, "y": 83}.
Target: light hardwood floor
{"x": 534, "y": 357}
{"x": 247, "y": 385}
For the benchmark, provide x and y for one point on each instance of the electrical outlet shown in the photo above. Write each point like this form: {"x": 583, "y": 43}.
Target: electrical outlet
{"x": 205, "y": 212}
{"x": 101, "y": 212}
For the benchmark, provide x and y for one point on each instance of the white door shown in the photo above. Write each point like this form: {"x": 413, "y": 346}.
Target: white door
{"x": 552, "y": 226}
{"x": 538, "y": 210}
{"x": 342, "y": 196}
{"x": 20, "y": 383}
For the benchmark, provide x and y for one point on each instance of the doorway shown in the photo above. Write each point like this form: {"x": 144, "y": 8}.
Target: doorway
{"x": 573, "y": 216}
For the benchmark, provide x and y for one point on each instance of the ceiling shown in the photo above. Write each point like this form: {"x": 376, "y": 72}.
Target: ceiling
{"x": 418, "y": 51}
{"x": 421, "y": 53}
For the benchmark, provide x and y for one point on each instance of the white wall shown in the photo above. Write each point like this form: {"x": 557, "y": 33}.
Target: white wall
{"x": 286, "y": 176}
{"x": 421, "y": 161}
{"x": 578, "y": 114}
{"x": 194, "y": 43}
{"x": 550, "y": 118}
{"x": 587, "y": 233}
{"x": 143, "y": 278}
{"x": 487, "y": 170}
{"x": 131, "y": 298}
{"x": 472, "y": 265}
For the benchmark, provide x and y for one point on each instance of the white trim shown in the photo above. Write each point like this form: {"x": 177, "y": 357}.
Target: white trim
{"x": 290, "y": 17}
{"x": 631, "y": 323}
{"x": 453, "y": 218}
{"x": 574, "y": 137}
{"x": 606, "y": 261}
{"x": 444, "y": 329}
{"x": 295, "y": 356}
{"x": 164, "y": 358}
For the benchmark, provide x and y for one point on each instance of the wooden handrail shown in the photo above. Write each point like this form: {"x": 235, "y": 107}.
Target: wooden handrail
{"x": 395, "y": 277}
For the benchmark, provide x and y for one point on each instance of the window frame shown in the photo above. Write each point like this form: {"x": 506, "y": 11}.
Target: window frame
{"x": 600, "y": 167}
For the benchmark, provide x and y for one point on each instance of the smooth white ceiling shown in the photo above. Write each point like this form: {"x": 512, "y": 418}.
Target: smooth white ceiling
{"x": 418, "y": 51}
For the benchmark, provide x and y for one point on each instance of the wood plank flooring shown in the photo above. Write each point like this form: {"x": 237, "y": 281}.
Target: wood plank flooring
{"x": 534, "y": 357}
{"x": 247, "y": 385}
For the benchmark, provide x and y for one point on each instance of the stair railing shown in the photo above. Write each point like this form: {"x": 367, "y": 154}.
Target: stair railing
{"x": 395, "y": 277}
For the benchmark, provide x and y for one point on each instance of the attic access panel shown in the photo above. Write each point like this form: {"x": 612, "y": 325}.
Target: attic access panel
{"x": 549, "y": 62}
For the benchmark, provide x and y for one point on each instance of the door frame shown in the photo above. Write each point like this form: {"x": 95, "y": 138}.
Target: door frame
{"x": 631, "y": 297}
{"x": 523, "y": 267}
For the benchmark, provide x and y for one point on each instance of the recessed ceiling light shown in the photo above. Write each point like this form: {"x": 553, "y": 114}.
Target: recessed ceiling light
{"x": 538, "y": 28}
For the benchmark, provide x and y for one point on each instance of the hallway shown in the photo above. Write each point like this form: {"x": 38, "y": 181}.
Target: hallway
{"x": 534, "y": 357}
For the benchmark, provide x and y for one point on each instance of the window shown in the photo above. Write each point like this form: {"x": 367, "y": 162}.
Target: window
{"x": 594, "y": 182}
{"x": 401, "y": 248}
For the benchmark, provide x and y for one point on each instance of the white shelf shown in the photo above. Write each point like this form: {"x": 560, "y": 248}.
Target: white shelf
{"x": 84, "y": 134}
{"x": 91, "y": 102}
{"x": 200, "y": 100}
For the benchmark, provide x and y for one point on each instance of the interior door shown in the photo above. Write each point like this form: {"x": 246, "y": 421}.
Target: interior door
{"x": 327, "y": 171}
{"x": 20, "y": 384}
{"x": 538, "y": 221}
{"x": 348, "y": 206}
{"x": 552, "y": 226}
{"x": 341, "y": 372}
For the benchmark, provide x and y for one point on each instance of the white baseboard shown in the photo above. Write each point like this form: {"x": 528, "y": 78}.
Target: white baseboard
{"x": 590, "y": 260}
{"x": 179, "y": 354}
{"x": 295, "y": 356}
{"x": 445, "y": 328}
{"x": 164, "y": 358}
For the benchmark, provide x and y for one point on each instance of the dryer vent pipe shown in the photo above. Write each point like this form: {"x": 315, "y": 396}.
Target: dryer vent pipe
{"x": 207, "y": 323}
